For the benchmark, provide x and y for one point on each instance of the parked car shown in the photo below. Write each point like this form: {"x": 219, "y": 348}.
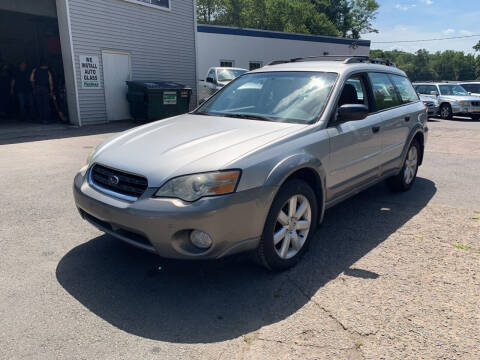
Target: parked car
{"x": 432, "y": 104}
{"x": 453, "y": 99}
{"x": 473, "y": 87}
{"x": 255, "y": 167}
{"x": 217, "y": 78}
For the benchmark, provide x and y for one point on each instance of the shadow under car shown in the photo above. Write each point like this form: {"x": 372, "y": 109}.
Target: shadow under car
{"x": 211, "y": 301}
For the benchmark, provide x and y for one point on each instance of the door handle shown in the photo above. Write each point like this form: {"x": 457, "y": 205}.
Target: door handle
{"x": 375, "y": 129}
{"x": 407, "y": 118}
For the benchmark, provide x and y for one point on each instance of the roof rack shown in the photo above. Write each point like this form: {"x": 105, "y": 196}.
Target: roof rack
{"x": 346, "y": 59}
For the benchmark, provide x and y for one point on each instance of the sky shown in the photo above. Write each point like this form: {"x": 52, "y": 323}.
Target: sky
{"x": 399, "y": 20}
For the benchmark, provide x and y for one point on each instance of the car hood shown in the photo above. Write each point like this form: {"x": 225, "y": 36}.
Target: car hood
{"x": 428, "y": 98}
{"x": 188, "y": 144}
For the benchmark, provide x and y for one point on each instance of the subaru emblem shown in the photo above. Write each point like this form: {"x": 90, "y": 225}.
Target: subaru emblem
{"x": 113, "y": 180}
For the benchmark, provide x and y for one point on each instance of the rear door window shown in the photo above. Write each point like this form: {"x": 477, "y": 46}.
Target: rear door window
{"x": 404, "y": 88}
{"x": 384, "y": 91}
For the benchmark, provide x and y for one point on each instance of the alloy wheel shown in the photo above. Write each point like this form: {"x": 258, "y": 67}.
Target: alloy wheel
{"x": 292, "y": 226}
{"x": 411, "y": 164}
{"x": 445, "y": 112}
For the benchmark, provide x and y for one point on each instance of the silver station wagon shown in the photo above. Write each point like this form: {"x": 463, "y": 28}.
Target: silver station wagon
{"x": 255, "y": 167}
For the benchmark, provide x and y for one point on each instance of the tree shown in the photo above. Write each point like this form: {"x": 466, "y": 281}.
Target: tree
{"x": 477, "y": 47}
{"x": 351, "y": 17}
{"x": 425, "y": 66}
{"x": 320, "y": 17}
{"x": 208, "y": 10}
{"x": 298, "y": 16}
{"x": 362, "y": 14}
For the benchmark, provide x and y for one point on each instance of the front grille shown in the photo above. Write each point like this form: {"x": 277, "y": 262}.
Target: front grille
{"x": 118, "y": 181}
{"x": 475, "y": 103}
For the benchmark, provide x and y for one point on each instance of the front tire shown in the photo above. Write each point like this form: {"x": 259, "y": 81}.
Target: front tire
{"x": 446, "y": 112}
{"x": 404, "y": 180}
{"x": 290, "y": 226}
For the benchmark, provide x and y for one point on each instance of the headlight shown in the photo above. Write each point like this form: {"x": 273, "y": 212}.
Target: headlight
{"x": 193, "y": 187}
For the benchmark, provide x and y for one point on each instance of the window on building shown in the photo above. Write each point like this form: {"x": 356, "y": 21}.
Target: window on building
{"x": 164, "y": 4}
{"x": 255, "y": 65}
{"x": 227, "y": 63}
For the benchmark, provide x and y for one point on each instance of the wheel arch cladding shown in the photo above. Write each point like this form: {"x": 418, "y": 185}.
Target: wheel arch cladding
{"x": 304, "y": 167}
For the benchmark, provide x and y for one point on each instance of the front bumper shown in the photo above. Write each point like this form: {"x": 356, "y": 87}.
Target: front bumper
{"x": 433, "y": 111}
{"x": 234, "y": 222}
{"x": 466, "y": 110}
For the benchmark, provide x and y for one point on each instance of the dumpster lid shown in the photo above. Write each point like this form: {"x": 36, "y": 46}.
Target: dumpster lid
{"x": 152, "y": 84}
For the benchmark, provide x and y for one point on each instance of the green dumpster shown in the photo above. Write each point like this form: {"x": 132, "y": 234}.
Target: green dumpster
{"x": 155, "y": 100}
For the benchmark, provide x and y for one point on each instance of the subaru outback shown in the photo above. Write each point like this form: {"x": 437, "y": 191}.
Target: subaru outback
{"x": 452, "y": 98}
{"x": 255, "y": 167}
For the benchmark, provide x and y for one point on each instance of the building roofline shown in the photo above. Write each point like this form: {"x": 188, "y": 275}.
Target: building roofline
{"x": 226, "y": 30}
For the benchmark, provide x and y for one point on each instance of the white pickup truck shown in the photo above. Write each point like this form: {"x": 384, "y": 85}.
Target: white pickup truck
{"x": 216, "y": 78}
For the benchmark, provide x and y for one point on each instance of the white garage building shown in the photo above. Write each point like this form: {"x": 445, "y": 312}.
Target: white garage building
{"x": 251, "y": 49}
{"x": 94, "y": 46}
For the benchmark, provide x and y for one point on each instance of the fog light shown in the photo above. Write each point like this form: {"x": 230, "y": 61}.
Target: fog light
{"x": 200, "y": 239}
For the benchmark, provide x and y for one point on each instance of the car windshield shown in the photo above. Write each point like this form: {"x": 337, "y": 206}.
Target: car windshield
{"x": 473, "y": 88}
{"x": 229, "y": 74}
{"x": 452, "y": 90}
{"x": 298, "y": 97}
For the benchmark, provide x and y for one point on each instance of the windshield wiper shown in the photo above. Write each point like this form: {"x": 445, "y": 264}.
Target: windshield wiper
{"x": 203, "y": 113}
{"x": 247, "y": 116}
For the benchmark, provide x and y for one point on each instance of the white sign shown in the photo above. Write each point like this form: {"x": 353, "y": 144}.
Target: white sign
{"x": 90, "y": 72}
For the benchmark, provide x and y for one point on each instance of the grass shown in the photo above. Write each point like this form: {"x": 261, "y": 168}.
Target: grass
{"x": 358, "y": 344}
{"x": 466, "y": 248}
{"x": 462, "y": 247}
{"x": 247, "y": 339}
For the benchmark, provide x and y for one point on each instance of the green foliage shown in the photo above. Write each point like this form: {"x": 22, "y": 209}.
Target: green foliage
{"x": 321, "y": 17}
{"x": 477, "y": 47}
{"x": 425, "y": 66}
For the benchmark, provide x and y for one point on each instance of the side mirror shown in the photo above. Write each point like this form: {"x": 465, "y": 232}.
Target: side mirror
{"x": 211, "y": 80}
{"x": 352, "y": 112}
{"x": 434, "y": 93}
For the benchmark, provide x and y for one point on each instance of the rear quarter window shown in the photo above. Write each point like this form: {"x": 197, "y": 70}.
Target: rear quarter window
{"x": 384, "y": 91}
{"x": 404, "y": 88}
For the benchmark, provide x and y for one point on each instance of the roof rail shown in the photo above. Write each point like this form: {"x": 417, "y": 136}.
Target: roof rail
{"x": 346, "y": 59}
{"x": 440, "y": 81}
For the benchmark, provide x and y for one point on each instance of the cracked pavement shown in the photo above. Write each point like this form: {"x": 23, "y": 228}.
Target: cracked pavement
{"x": 389, "y": 276}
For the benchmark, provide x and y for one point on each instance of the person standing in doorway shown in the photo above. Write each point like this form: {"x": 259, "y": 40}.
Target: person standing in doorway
{"x": 20, "y": 86}
{"x": 42, "y": 84}
{"x": 4, "y": 90}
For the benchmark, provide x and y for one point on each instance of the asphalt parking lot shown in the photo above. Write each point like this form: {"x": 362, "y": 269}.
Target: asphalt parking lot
{"x": 390, "y": 276}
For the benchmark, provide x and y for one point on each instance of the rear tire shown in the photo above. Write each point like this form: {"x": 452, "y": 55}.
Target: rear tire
{"x": 446, "y": 112}
{"x": 404, "y": 180}
{"x": 290, "y": 226}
